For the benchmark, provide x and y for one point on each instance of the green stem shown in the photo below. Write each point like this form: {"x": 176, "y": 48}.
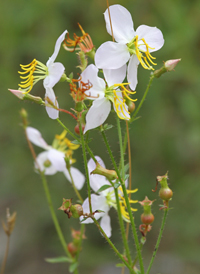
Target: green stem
{"x": 123, "y": 232}
{"x": 68, "y": 131}
{"x": 158, "y": 241}
{"x": 48, "y": 196}
{"x": 55, "y": 220}
{"x": 86, "y": 167}
{"x": 74, "y": 187}
{"x": 121, "y": 147}
{"x": 112, "y": 246}
{"x": 127, "y": 204}
{"x": 143, "y": 98}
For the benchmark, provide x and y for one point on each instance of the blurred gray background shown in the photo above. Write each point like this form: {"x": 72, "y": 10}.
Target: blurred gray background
{"x": 166, "y": 137}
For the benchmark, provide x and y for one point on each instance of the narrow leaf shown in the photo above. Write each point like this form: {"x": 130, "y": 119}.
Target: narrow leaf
{"x": 58, "y": 260}
{"x": 73, "y": 267}
{"x": 104, "y": 187}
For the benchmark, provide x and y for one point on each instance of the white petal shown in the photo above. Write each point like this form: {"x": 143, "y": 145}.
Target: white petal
{"x": 98, "y": 202}
{"x": 122, "y": 110}
{"x": 111, "y": 55}
{"x": 57, "y": 48}
{"x": 96, "y": 181}
{"x": 115, "y": 76}
{"x": 152, "y": 35}
{"x": 78, "y": 177}
{"x": 97, "y": 113}
{"x": 41, "y": 158}
{"x": 36, "y": 137}
{"x": 98, "y": 85}
{"x": 132, "y": 72}
{"x": 105, "y": 224}
{"x": 56, "y": 71}
{"x": 122, "y": 23}
{"x": 52, "y": 112}
{"x": 57, "y": 159}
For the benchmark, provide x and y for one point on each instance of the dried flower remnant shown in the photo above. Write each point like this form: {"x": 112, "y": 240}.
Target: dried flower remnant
{"x": 83, "y": 43}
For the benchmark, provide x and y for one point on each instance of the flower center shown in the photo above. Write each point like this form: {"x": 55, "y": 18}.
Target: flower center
{"x": 143, "y": 56}
{"x": 119, "y": 100}
{"x": 35, "y": 71}
{"x": 63, "y": 144}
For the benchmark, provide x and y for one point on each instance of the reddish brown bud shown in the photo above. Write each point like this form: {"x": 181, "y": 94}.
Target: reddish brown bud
{"x": 147, "y": 219}
{"x": 72, "y": 249}
{"x": 76, "y": 129}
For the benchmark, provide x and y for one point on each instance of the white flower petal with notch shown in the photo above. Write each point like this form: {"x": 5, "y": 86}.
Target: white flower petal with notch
{"x": 122, "y": 23}
{"x": 97, "y": 113}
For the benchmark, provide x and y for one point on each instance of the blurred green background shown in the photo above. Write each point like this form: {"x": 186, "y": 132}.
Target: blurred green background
{"x": 166, "y": 137}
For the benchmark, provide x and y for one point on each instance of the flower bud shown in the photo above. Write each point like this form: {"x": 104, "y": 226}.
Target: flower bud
{"x": 10, "y": 224}
{"x": 109, "y": 174}
{"x": 147, "y": 217}
{"x": 77, "y": 130}
{"x": 27, "y": 96}
{"x": 71, "y": 210}
{"x": 72, "y": 248}
{"x": 170, "y": 64}
{"x": 76, "y": 210}
{"x": 131, "y": 106}
{"x": 165, "y": 192}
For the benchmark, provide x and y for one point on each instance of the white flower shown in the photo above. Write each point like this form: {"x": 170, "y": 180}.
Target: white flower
{"x": 49, "y": 73}
{"x": 130, "y": 45}
{"x": 52, "y": 160}
{"x": 100, "y": 201}
{"x": 103, "y": 93}
{"x": 104, "y": 200}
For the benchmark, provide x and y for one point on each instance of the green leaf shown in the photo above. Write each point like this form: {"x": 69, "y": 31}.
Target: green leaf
{"x": 106, "y": 127}
{"x": 126, "y": 177}
{"x": 73, "y": 267}
{"x": 104, "y": 187}
{"x": 120, "y": 265}
{"x": 116, "y": 185}
{"x": 76, "y": 142}
{"x": 58, "y": 260}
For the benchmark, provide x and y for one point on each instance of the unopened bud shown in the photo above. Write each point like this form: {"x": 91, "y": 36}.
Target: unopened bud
{"x": 147, "y": 217}
{"x": 27, "y": 96}
{"x": 10, "y": 224}
{"x": 109, "y": 174}
{"x": 131, "y": 106}
{"x": 77, "y": 130}
{"x": 72, "y": 248}
{"x": 71, "y": 210}
{"x": 76, "y": 210}
{"x": 165, "y": 192}
{"x": 24, "y": 115}
{"x": 170, "y": 64}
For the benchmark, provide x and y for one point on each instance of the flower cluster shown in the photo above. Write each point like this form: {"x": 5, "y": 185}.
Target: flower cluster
{"x": 130, "y": 46}
{"x": 108, "y": 84}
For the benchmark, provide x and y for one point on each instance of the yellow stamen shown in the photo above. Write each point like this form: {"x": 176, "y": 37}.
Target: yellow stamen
{"x": 123, "y": 205}
{"x": 120, "y": 105}
{"x": 141, "y": 57}
{"x": 31, "y": 79}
